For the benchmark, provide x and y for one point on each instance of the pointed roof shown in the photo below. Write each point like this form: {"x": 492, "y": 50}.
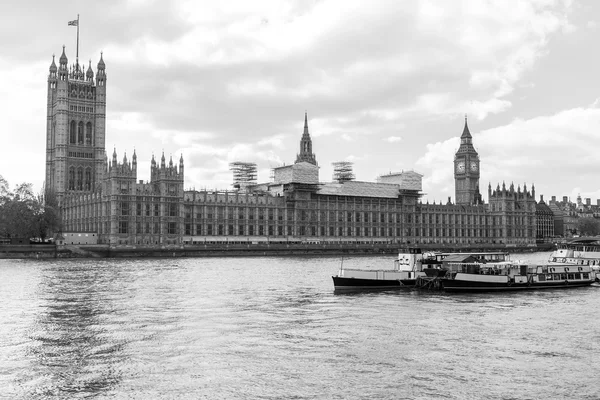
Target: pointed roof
{"x": 90, "y": 73}
{"x": 63, "y": 58}
{"x": 466, "y": 133}
{"x": 305, "y": 124}
{"x": 101, "y": 62}
{"x": 53, "y": 65}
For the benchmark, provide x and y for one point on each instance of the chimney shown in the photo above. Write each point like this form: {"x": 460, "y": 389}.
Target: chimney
{"x": 541, "y": 198}
{"x": 588, "y": 201}
{"x": 565, "y": 199}
{"x": 554, "y": 198}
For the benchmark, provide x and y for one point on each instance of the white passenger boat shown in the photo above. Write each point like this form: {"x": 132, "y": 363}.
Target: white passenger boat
{"x": 407, "y": 268}
{"x": 579, "y": 251}
{"x": 511, "y": 276}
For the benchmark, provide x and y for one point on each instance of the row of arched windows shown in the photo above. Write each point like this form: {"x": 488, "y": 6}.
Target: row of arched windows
{"x": 80, "y": 179}
{"x": 80, "y": 133}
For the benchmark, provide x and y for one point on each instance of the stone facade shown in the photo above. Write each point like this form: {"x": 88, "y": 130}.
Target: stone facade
{"x": 75, "y": 127}
{"x": 295, "y": 206}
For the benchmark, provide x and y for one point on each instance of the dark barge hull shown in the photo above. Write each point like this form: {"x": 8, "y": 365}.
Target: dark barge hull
{"x": 341, "y": 283}
{"x": 450, "y": 285}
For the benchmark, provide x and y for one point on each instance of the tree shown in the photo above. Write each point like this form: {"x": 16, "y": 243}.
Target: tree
{"x": 588, "y": 226}
{"x": 49, "y": 220}
{"x": 23, "y": 215}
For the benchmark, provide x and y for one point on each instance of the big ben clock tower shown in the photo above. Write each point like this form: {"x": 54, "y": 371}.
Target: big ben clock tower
{"x": 466, "y": 170}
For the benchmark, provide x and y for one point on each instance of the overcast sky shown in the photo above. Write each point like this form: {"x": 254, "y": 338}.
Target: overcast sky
{"x": 386, "y": 85}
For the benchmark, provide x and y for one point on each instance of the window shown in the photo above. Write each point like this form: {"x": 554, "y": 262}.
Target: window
{"x": 80, "y": 133}
{"x": 71, "y": 178}
{"x": 172, "y": 228}
{"x": 72, "y": 133}
{"x": 88, "y": 134}
{"x": 123, "y": 226}
{"x": 79, "y": 179}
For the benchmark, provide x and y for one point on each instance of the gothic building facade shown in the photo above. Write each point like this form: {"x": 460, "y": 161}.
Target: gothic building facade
{"x": 75, "y": 127}
{"x": 106, "y": 198}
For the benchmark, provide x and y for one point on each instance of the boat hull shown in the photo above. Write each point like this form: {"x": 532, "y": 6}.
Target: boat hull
{"x": 341, "y": 283}
{"x": 452, "y": 285}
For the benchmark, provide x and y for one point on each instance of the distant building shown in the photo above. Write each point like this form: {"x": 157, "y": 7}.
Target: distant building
{"x": 545, "y": 220}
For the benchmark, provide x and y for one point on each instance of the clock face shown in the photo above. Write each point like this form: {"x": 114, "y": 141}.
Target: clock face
{"x": 460, "y": 167}
{"x": 474, "y": 166}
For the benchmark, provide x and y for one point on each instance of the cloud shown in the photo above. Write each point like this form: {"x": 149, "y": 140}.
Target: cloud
{"x": 232, "y": 79}
{"x": 393, "y": 139}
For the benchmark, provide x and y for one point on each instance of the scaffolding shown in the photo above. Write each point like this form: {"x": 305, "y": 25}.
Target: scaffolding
{"x": 244, "y": 174}
{"x": 342, "y": 171}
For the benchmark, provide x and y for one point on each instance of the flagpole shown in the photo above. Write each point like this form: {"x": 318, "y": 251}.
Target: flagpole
{"x": 77, "y": 53}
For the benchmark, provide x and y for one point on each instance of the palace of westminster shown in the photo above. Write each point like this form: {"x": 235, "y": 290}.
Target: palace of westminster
{"x": 103, "y": 196}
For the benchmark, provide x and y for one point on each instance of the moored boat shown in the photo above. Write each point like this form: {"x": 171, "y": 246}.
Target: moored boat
{"x": 407, "y": 268}
{"x": 579, "y": 251}
{"x": 512, "y": 276}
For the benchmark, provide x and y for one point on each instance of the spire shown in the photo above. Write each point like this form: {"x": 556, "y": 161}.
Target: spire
{"x": 63, "y": 58}
{"x": 162, "y": 160}
{"x": 305, "y": 124}
{"x": 466, "y": 134}
{"x": 101, "y": 63}
{"x": 306, "y": 154}
{"x": 53, "y": 65}
{"x": 90, "y": 74}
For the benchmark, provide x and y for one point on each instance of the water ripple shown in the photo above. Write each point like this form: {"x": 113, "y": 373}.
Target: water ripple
{"x": 272, "y": 328}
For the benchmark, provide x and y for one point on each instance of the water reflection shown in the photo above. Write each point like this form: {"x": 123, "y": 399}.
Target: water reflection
{"x": 76, "y": 356}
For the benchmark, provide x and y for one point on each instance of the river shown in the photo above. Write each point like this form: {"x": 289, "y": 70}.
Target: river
{"x": 272, "y": 328}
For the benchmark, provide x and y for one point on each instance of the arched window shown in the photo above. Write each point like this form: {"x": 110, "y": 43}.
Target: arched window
{"x": 79, "y": 178}
{"x": 88, "y": 179}
{"x": 72, "y": 136}
{"x": 80, "y": 133}
{"x": 88, "y": 134}
{"x": 71, "y": 178}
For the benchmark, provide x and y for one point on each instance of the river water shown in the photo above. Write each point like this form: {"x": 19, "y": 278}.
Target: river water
{"x": 272, "y": 328}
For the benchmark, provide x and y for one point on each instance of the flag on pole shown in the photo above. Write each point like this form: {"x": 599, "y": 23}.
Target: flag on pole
{"x": 74, "y": 23}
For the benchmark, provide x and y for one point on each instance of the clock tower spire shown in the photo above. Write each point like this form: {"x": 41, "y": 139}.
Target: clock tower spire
{"x": 466, "y": 170}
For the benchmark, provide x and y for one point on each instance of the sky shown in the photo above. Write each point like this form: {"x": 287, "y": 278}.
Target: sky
{"x": 386, "y": 85}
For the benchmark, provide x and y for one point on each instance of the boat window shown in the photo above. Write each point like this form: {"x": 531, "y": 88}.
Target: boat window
{"x": 586, "y": 275}
{"x": 577, "y": 276}
{"x": 563, "y": 277}
{"x": 570, "y": 276}
{"x": 549, "y": 277}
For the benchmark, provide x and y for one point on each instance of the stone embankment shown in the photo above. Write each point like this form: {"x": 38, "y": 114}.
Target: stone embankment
{"x": 239, "y": 250}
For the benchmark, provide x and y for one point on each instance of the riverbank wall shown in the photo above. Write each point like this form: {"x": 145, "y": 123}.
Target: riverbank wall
{"x": 242, "y": 250}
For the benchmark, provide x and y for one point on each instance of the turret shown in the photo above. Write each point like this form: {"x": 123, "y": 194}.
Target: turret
{"x": 89, "y": 74}
{"x": 162, "y": 161}
{"x": 181, "y": 165}
{"x": 63, "y": 69}
{"x": 101, "y": 75}
{"x": 53, "y": 69}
